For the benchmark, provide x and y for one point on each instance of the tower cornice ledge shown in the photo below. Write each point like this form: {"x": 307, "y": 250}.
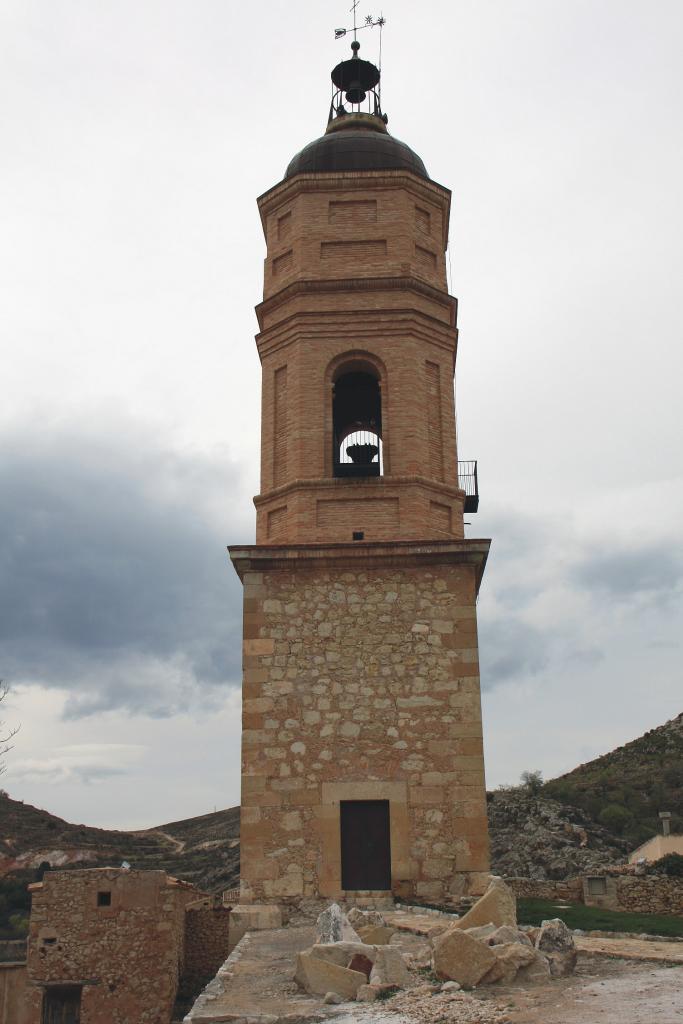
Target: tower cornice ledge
{"x": 361, "y": 554}
{"x": 356, "y": 284}
{"x": 345, "y": 485}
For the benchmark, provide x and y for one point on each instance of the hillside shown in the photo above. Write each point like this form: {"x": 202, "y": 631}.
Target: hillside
{"x": 203, "y": 850}
{"x": 625, "y": 789}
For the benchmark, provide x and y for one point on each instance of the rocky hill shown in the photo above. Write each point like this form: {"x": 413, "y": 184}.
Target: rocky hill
{"x": 625, "y": 789}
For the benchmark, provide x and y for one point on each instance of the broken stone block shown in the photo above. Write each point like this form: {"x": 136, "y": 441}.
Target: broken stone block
{"x": 333, "y": 926}
{"x": 537, "y": 970}
{"x": 342, "y": 953}
{"x": 556, "y": 943}
{"x": 376, "y": 934}
{"x": 497, "y": 906}
{"x": 318, "y": 977}
{"x": 483, "y": 931}
{"x": 506, "y": 933}
{"x": 389, "y": 968}
{"x": 510, "y": 956}
{"x": 459, "y": 957}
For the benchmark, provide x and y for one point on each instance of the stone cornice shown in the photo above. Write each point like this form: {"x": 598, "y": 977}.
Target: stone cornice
{"x": 351, "y": 284}
{"x": 359, "y": 555}
{"x": 377, "y": 484}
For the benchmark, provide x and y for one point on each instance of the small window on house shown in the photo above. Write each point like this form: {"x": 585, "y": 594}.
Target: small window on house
{"x": 104, "y": 899}
{"x": 597, "y": 886}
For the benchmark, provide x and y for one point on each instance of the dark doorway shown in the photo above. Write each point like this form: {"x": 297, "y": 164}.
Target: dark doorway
{"x": 365, "y": 844}
{"x": 62, "y": 1005}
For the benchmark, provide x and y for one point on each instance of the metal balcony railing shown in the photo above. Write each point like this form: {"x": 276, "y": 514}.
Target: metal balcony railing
{"x": 469, "y": 481}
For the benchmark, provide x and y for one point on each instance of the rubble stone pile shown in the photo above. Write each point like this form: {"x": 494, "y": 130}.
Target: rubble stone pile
{"x": 352, "y": 958}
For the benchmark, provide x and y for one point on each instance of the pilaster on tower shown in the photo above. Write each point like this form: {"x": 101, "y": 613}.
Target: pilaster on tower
{"x": 362, "y": 740}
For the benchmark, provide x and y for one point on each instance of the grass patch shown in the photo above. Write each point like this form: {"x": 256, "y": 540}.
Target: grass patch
{"x": 576, "y": 915}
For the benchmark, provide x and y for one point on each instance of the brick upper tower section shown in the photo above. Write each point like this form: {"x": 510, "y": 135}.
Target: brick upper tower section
{"x": 356, "y": 310}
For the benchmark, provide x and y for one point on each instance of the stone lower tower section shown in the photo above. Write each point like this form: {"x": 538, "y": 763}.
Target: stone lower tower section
{"x": 362, "y": 761}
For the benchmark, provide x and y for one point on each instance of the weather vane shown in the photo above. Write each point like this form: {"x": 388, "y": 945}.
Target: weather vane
{"x": 370, "y": 22}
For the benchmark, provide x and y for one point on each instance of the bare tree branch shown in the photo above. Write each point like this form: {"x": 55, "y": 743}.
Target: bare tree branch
{"x": 6, "y": 734}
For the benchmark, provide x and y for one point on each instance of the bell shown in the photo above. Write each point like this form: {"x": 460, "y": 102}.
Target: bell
{"x": 362, "y": 454}
{"x": 355, "y": 92}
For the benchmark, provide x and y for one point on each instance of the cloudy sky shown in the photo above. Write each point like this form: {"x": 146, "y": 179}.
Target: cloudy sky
{"x": 135, "y": 139}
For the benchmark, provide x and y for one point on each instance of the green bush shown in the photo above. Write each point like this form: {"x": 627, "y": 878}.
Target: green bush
{"x": 671, "y": 864}
{"x": 616, "y": 818}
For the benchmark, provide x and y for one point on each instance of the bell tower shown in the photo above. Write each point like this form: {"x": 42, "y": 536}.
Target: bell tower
{"x": 362, "y": 761}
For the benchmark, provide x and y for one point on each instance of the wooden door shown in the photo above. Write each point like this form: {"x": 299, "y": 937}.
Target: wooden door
{"x": 62, "y": 1005}
{"x": 365, "y": 844}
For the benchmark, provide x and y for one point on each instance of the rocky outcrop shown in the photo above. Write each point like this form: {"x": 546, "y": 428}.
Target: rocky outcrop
{"x": 533, "y": 837}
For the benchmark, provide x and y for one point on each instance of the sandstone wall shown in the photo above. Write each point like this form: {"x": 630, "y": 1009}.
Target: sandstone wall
{"x": 362, "y": 684}
{"x": 206, "y": 946}
{"x": 13, "y": 1009}
{"x": 126, "y": 954}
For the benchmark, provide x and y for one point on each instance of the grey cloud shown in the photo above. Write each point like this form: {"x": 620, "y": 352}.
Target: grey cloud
{"x": 654, "y": 570}
{"x": 114, "y": 580}
{"x": 510, "y": 648}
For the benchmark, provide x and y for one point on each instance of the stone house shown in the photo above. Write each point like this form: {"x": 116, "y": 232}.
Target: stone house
{"x": 113, "y": 946}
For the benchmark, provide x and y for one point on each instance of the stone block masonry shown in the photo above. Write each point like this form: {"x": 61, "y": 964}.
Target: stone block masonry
{"x": 361, "y": 682}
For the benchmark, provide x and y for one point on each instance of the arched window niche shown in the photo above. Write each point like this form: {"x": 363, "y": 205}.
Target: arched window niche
{"x": 357, "y": 420}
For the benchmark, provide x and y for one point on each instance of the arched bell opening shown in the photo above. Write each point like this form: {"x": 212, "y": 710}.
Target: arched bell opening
{"x": 357, "y": 425}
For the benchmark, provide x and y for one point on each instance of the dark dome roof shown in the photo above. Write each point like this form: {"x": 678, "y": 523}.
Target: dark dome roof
{"x": 356, "y": 150}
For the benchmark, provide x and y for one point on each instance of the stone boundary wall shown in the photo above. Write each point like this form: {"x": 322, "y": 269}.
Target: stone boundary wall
{"x": 218, "y": 986}
{"x": 641, "y": 894}
{"x": 206, "y": 945}
{"x": 568, "y": 889}
{"x": 650, "y": 894}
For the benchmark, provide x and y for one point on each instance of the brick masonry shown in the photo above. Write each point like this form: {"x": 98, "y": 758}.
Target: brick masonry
{"x": 343, "y": 304}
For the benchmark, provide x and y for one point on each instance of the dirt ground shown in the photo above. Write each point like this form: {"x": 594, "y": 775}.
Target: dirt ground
{"x": 604, "y": 990}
